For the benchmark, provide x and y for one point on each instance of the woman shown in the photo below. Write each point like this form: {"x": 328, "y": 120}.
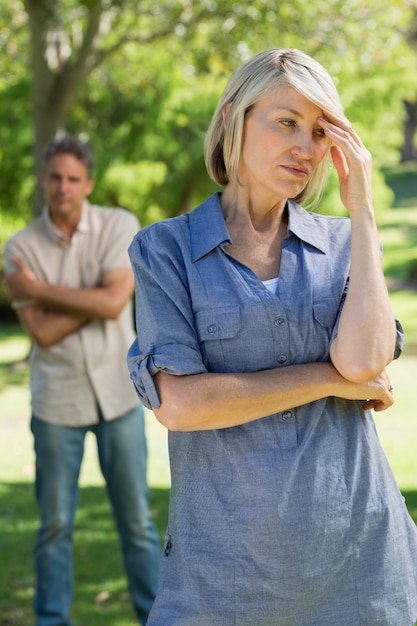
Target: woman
{"x": 264, "y": 332}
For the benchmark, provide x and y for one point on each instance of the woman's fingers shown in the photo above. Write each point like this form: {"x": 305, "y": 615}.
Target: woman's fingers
{"x": 353, "y": 163}
{"x": 339, "y": 161}
{"x": 342, "y": 135}
{"x": 382, "y": 385}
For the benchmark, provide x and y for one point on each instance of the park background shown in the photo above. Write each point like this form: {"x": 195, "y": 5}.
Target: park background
{"x": 140, "y": 80}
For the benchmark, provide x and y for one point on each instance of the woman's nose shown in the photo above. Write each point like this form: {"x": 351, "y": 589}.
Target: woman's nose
{"x": 302, "y": 147}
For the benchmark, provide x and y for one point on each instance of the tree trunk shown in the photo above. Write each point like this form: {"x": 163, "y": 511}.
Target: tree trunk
{"x": 58, "y": 74}
{"x": 409, "y": 149}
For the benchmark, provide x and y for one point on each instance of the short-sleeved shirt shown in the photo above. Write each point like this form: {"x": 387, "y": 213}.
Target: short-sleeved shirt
{"x": 88, "y": 367}
{"x": 294, "y": 519}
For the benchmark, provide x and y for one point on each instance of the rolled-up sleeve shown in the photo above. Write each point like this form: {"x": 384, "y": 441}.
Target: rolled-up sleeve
{"x": 166, "y": 338}
{"x": 399, "y": 339}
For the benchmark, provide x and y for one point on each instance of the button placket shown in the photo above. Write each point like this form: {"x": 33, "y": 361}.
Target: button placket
{"x": 288, "y": 437}
{"x": 280, "y": 329}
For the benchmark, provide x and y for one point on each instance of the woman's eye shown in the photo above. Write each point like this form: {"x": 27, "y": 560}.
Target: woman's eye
{"x": 291, "y": 124}
{"x": 287, "y": 123}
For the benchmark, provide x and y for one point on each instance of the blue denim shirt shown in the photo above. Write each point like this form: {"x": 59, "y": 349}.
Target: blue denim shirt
{"x": 294, "y": 519}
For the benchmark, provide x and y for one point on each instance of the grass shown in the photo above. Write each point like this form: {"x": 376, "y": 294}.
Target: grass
{"x": 101, "y": 597}
{"x": 101, "y": 594}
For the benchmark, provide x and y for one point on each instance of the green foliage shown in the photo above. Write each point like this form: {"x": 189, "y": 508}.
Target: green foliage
{"x": 157, "y": 122}
{"x": 16, "y": 178}
{"x": 132, "y": 185}
{"x": 15, "y": 113}
{"x": 399, "y": 233}
{"x": 156, "y": 71}
{"x": 331, "y": 204}
{"x": 9, "y": 224}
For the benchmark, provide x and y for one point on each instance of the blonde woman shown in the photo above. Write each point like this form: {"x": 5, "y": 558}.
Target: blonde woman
{"x": 264, "y": 331}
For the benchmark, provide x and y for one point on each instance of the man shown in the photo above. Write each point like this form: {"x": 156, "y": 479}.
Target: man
{"x": 70, "y": 281}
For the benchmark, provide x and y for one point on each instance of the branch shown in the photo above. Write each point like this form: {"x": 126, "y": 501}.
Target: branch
{"x": 70, "y": 78}
{"x": 38, "y": 13}
{"x": 104, "y": 53}
{"x": 93, "y": 25}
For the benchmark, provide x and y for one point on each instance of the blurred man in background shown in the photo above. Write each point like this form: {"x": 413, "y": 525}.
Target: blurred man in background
{"x": 71, "y": 283}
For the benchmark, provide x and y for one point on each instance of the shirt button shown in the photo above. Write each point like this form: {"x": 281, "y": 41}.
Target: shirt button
{"x": 279, "y": 321}
{"x": 287, "y": 416}
{"x": 212, "y": 329}
{"x": 282, "y": 358}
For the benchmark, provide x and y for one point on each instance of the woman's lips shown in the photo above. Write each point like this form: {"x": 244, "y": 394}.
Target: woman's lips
{"x": 296, "y": 170}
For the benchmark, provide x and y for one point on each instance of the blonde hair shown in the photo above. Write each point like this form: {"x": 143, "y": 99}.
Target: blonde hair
{"x": 250, "y": 83}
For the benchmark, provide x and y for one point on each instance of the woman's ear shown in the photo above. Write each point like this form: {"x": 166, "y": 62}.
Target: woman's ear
{"x": 225, "y": 112}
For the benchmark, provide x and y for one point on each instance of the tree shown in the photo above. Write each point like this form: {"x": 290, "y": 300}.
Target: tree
{"x": 67, "y": 46}
{"x": 179, "y": 53}
{"x": 409, "y": 148}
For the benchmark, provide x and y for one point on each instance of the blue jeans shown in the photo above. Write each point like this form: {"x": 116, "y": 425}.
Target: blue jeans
{"x": 121, "y": 445}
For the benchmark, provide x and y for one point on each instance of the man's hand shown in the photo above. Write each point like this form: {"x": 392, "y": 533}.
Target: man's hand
{"x": 22, "y": 284}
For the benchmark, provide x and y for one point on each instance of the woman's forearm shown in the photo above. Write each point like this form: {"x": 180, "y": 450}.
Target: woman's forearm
{"x": 366, "y": 335}
{"x": 209, "y": 401}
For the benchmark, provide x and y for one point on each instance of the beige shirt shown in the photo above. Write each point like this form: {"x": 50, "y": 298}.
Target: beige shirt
{"x": 89, "y": 366}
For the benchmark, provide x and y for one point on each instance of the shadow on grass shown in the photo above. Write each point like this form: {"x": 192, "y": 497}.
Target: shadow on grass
{"x": 397, "y": 265}
{"x": 101, "y": 596}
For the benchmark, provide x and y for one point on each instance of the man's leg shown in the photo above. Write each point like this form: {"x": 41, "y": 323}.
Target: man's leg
{"x": 59, "y": 452}
{"x": 122, "y": 453}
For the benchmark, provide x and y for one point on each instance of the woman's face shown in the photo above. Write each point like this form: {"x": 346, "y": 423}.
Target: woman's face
{"x": 283, "y": 143}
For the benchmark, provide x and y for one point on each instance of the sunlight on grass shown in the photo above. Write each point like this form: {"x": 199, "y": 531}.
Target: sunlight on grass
{"x": 14, "y": 347}
{"x": 158, "y": 462}
{"x": 397, "y": 426}
{"x": 404, "y": 304}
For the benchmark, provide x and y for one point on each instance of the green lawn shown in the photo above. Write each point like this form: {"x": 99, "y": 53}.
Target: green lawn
{"x": 101, "y": 595}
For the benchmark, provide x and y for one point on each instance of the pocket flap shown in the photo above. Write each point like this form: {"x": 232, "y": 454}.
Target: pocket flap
{"x": 220, "y": 323}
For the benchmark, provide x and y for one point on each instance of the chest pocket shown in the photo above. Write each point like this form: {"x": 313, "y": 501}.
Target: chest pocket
{"x": 218, "y": 334}
{"x": 325, "y": 312}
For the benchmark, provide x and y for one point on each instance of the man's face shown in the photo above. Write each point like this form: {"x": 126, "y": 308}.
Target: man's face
{"x": 66, "y": 185}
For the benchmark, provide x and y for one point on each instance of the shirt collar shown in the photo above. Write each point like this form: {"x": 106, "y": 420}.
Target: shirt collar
{"x": 309, "y": 227}
{"x": 83, "y": 225}
{"x": 208, "y": 228}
